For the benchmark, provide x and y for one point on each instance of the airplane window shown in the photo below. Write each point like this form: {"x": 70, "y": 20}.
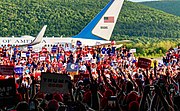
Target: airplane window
{"x": 48, "y": 45}
{"x": 51, "y": 45}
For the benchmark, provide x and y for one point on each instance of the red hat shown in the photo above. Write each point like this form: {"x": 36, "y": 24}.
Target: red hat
{"x": 53, "y": 105}
{"x": 58, "y": 97}
{"x": 133, "y": 106}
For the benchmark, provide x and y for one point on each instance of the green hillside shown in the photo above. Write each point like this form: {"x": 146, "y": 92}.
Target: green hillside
{"x": 68, "y": 17}
{"x": 169, "y": 6}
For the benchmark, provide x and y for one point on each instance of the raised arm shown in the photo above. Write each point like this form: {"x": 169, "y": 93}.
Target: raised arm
{"x": 94, "y": 90}
{"x": 90, "y": 74}
{"x": 165, "y": 103}
{"x": 143, "y": 100}
{"x": 154, "y": 102}
{"x": 114, "y": 82}
{"x": 107, "y": 83}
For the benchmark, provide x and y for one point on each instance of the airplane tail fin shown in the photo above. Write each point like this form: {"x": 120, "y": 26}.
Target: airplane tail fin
{"x": 39, "y": 37}
{"x": 101, "y": 27}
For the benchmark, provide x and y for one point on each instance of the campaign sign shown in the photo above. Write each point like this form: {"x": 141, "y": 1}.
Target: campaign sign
{"x": 7, "y": 92}
{"x": 72, "y": 67}
{"x": 23, "y": 54}
{"x": 54, "y": 49}
{"x": 42, "y": 58}
{"x": 19, "y": 70}
{"x": 132, "y": 50}
{"x": 6, "y": 70}
{"x": 79, "y": 43}
{"x": 28, "y": 54}
{"x": 80, "y": 77}
{"x": 53, "y": 82}
{"x": 144, "y": 63}
{"x": 30, "y": 47}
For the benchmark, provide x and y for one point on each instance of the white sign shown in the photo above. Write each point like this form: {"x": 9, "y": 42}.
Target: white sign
{"x": 86, "y": 58}
{"x": 175, "y": 49}
{"x": 42, "y": 58}
{"x": 132, "y": 50}
{"x": 23, "y": 54}
{"x": 6, "y": 70}
{"x": 52, "y": 83}
{"x": 37, "y": 50}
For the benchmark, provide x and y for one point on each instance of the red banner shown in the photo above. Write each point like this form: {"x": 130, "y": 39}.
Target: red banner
{"x": 144, "y": 63}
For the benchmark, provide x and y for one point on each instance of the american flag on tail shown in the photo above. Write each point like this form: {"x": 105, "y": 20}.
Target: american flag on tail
{"x": 109, "y": 19}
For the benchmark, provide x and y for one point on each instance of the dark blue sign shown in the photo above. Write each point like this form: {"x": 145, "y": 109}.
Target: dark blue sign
{"x": 19, "y": 70}
{"x": 79, "y": 43}
{"x": 54, "y": 48}
{"x": 27, "y": 54}
{"x": 72, "y": 67}
{"x": 29, "y": 46}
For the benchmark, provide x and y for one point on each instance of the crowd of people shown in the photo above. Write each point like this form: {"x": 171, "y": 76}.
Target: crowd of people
{"x": 115, "y": 82}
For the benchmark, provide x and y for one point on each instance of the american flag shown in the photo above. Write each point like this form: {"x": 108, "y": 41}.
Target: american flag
{"x": 108, "y": 19}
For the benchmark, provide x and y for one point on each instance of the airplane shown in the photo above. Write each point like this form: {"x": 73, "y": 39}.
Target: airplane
{"x": 97, "y": 32}
{"x": 23, "y": 40}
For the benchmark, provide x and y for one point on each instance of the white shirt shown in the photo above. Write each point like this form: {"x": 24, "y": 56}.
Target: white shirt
{"x": 73, "y": 50}
{"x": 90, "y": 56}
{"x": 67, "y": 48}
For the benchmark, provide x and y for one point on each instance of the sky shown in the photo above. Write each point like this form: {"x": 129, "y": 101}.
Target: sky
{"x": 141, "y": 0}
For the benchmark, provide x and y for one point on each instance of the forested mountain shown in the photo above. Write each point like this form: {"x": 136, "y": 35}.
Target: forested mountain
{"x": 169, "y": 6}
{"x": 68, "y": 17}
